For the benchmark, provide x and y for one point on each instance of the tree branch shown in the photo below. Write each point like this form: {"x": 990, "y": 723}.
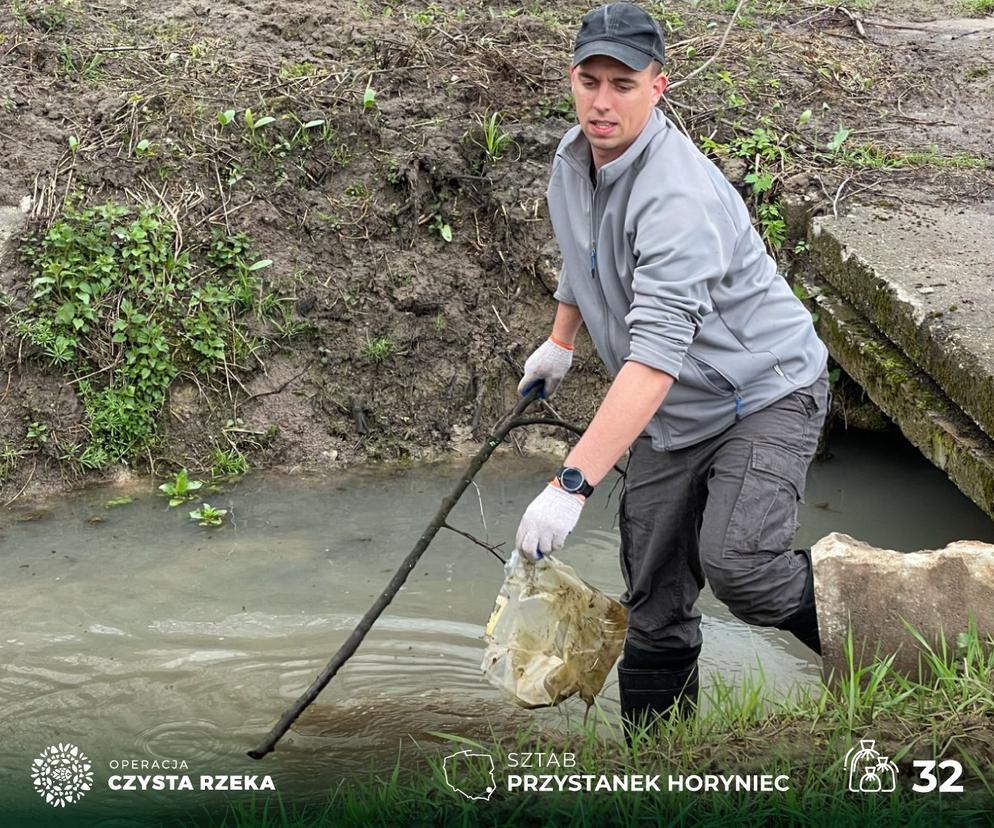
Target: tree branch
{"x": 352, "y": 643}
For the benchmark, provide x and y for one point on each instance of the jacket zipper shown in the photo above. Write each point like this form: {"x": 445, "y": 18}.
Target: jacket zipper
{"x": 593, "y": 232}
{"x": 735, "y": 389}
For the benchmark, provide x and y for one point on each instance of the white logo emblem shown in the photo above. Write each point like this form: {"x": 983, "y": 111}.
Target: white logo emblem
{"x": 62, "y": 775}
{"x": 868, "y": 771}
{"x": 471, "y": 774}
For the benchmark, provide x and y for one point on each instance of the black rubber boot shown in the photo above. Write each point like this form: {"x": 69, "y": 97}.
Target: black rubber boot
{"x": 804, "y": 623}
{"x": 647, "y": 695}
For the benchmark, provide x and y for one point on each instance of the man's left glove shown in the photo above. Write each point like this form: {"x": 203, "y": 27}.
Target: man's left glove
{"x": 547, "y": 521}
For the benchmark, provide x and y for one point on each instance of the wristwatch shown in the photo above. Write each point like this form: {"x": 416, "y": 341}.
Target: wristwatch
{"x": 572, "y": 480}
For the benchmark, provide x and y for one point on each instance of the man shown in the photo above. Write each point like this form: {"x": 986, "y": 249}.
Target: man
{"x": 720, "y": 386}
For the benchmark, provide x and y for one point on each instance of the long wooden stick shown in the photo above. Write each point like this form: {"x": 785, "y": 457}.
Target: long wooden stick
{"x": 352, "y": 643}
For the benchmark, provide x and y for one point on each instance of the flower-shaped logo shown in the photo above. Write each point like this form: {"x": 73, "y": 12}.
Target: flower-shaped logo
{"x": 62, "y": 775}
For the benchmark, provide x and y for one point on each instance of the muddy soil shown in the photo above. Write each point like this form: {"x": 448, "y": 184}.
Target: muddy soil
{"x": 357, "y": 221}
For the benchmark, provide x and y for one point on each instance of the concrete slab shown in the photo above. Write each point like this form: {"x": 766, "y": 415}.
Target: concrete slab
{"x": 12, "y": 219}
{"x": 12, "y": 222}
{"x": 906, "y": 394}
{"x": 877, "y": 593}
{"x": 924, "y": 276}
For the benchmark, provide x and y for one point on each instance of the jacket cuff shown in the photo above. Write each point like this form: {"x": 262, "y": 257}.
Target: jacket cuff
{"x": 563, "y": 293}
{"x": 659, "y": 350}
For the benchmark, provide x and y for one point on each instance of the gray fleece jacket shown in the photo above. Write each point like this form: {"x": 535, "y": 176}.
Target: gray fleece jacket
{"x": 667, "y": 270}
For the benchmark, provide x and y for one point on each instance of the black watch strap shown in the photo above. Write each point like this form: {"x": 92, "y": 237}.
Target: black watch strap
{"x": 572, "y": 480}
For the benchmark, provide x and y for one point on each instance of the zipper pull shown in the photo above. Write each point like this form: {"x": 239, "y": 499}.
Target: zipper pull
{"x": 779, "y": 370}
{"x": 593, "y": 262}
{"x": 738, "y": 408}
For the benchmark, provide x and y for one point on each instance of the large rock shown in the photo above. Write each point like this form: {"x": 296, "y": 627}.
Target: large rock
{"x": 879, "y": 592}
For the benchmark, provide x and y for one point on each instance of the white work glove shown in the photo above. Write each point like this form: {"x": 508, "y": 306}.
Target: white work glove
{"x": 547, "y": 521}
{"x": 548, "y": 364}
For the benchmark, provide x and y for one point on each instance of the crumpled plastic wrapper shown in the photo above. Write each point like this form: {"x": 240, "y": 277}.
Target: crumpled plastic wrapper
{"x": 551, "y": 635}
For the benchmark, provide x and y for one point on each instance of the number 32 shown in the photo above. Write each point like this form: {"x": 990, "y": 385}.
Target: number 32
{"x": 926, "y": 772}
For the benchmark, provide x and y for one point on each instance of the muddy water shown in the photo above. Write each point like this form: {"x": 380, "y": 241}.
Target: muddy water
{"x": 136, "y": 634}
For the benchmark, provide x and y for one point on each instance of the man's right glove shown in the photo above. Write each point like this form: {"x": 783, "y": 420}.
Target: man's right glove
{"x": 547, "y": 521}
{"x": 548, "y": 365}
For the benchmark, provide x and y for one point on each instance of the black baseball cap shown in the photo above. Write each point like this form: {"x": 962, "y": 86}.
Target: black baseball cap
{"x": 622, "y": 31}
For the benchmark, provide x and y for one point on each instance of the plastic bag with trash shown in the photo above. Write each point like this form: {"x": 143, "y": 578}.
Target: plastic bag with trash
{"x": 551, "y": 635}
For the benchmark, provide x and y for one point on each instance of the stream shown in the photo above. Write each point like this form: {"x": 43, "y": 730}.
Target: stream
{"x": 137, "y": 635}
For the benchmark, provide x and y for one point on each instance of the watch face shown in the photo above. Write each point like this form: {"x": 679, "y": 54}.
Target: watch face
{"x": 571, "y": 479}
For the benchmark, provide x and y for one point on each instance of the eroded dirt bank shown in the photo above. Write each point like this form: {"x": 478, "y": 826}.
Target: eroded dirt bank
{"x": 405, "y": 271}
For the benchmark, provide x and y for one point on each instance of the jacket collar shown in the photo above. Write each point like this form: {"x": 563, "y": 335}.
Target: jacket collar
{"x": 577, "y": 152}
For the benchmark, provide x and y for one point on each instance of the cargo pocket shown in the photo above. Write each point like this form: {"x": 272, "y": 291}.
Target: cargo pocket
{"x": 764, "y": 517}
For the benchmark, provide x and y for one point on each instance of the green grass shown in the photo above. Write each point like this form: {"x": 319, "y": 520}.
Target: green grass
{"x": 979, "y": 6}
{"x": 379, "y": 350}
{"x": 739, "y": 729}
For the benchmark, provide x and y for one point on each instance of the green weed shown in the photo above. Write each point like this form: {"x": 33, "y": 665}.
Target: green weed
{"x": 80, "y": 66}
{"x": 181, "y": 488}
{"x": 766, "y": 152}
{"x": 299, "y": 70}
{"x": 495, "y": 140}
{"x": 440, "y": 226}
{"x": 560, "y": 107}
{"x": 9, "y": 457}
{"x": 979, "y": 7}
{"x": 207, "y": 515}
{"x": 37, "y": 435}
{"x": 228, "y": 462}
{"x": 116, "y": 303}
{"x": 379, "y": 350}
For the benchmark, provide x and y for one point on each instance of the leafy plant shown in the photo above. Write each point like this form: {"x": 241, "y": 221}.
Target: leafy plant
{"x": 840, "y": 137}
{"x": 115, "y": 300}
{"x": 180, "y": 489}
{"x": 315, "y": 129}
{"x": 255, "y": 124}
{"x": 441, "y": 226}
{"x": 561, "y": 107}
{"x": 226, "y": 117}
{"x": 761, "y": 182}
{"x": 207, "y": 515}
{"x": 369, "y": 98}
{"x": 773, "y": 228}
{"x": 37, "y": 434}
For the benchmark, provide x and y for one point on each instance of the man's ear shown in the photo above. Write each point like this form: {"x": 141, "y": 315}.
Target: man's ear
{"x": 659, "y": 85}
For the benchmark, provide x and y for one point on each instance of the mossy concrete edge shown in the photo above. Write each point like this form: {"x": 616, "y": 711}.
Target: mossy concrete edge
{"x": 928, "y": 336}
{"x": 926, "y": 416}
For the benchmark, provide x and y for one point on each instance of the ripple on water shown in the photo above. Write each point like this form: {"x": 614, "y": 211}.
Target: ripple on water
{"x": 195, "y": 740}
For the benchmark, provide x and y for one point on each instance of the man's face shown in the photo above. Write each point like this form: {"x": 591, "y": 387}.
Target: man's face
{"x": 613, "y": 103}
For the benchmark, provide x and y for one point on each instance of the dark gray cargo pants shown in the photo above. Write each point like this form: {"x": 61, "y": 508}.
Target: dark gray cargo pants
{"x": 724, "y": 510}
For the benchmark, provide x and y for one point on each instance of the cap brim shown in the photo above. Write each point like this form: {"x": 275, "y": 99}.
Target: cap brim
{"x": 632, "y": 58}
